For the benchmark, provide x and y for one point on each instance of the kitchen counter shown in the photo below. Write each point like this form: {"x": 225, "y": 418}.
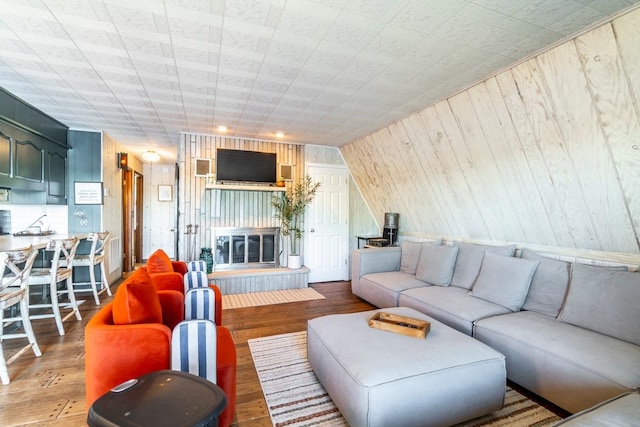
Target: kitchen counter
{"x": 12, "y": 243}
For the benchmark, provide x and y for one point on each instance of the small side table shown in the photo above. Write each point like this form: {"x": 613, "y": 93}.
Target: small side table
{"x": 161, "y": 398}
{"x": 366, "y": 239}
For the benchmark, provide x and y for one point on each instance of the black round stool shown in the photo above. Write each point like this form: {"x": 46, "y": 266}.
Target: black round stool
{"x": 161, "y": 398}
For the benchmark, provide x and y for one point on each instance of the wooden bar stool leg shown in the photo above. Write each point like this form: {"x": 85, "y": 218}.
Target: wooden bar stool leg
{"x": 4, "y": 373}
{"x": 105, "y": 281}
{"x": 72, "y": 298}
{"x": 26, "y": 324}
{"x": 56, "y": 308}
{"x": 94, "y": 287}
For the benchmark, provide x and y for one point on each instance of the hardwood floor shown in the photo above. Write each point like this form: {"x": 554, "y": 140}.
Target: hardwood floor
{"x": 49, "y": 390}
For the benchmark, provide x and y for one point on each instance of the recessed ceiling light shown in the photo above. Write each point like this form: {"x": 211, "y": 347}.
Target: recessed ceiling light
{"x": 279, "y": 134}
{"x": 222, "y": 128}
{"x": 150, "y": 156}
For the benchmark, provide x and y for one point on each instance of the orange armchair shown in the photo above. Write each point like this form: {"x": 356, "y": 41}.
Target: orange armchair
{"x": 131, "y": 337}
{"x": 168, "y": 274}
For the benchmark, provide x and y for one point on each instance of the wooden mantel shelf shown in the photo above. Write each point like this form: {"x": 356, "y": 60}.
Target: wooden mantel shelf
{"x": 244, "y": 187}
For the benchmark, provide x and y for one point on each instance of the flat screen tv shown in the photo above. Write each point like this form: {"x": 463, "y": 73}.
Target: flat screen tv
{"x": 245, "y": 166}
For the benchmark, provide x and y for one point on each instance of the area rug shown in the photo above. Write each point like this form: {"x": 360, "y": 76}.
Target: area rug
{"x": 296, "y": 398}
{"x": 255, "y": 299}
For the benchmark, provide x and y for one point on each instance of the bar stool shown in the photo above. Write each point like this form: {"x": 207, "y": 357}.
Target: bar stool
{"x": 63, "y": 250}
{"x": 14, "y": 292}
{"x": 96, "y": 256}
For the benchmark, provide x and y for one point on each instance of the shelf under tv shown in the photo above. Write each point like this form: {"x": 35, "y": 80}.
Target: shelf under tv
{"x": 244, "y": 187}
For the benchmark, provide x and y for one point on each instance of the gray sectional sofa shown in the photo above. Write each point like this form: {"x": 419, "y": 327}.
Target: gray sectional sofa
{"x": 570, "y": 332}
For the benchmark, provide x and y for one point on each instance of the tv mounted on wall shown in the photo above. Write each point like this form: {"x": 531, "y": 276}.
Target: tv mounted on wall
{"x": 245, "y": 166}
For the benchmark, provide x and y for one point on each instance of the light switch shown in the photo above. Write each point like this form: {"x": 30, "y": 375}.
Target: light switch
{"x": 4, "y": 194}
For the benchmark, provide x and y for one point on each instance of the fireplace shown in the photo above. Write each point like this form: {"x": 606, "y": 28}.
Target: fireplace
{"x": 240, "y": 248}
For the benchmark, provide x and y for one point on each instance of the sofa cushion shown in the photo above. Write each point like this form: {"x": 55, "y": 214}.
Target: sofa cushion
{"x": 605, "y": 301}
{"x": 409, "y": 257}
{"x": 136, "y": 301}
{"x": 469, "y": 260}
{"x": 382, "y": 289}
{"x": 504, "y": 280}
{"x": 548, "y": 285}
{"x": 436, "y": 264}
{"x": 411, "y": 254}
{"x": 451, "y": 305}
{"x": 570, "y": 366}
{"x": 159, "y": 262}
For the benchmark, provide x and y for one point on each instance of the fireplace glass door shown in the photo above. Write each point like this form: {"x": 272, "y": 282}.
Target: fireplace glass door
{"x": 237, "y": 248}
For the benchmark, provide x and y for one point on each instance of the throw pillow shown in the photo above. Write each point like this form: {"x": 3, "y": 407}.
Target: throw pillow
{"x": 410, "y": 253}
{"x": 136, "y": 301}
{"x": 436, "y": 264}
{"x": 469, "y": 261}
{"x": 504, "y": 280}
{"x": 159, "y": 262}
{"x": 605, "y": 301}
{"x": 548, "y": 286}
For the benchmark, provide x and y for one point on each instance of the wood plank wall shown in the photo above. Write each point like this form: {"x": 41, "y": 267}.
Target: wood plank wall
{"x": 545, "y": 154}
{"x": 224, "y": 208}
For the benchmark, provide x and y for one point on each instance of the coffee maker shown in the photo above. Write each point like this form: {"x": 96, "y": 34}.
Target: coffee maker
{"x": 390, "y": 230}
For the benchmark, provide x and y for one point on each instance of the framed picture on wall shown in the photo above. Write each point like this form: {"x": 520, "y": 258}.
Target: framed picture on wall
{"x": 165, "y": 193}
{"x": 87, "y": 193}
{"x": 286, "y": 172}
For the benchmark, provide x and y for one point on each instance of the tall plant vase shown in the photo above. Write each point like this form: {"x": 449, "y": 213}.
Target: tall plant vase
{"x": 289, "y": 208}
{"x": 294, "y": 261}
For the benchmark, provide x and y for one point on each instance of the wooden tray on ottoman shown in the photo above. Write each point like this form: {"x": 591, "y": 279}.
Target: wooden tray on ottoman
{"x": 400, "y": 324}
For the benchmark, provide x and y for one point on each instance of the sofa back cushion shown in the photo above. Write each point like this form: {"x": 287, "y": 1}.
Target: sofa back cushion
{"x": 548, "y": 286}
{"x": 411, "y": 254}
{"x": 604, "y": 300}
{"x": 436, "y": 264}
{"x": 159, "y": 262}
{"x": 504, "y": 280}
{"x": 136, "y": 301}
{"x": 469, "y": 260}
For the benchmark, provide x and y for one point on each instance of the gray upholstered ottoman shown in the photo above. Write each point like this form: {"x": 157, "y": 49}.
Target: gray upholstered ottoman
{"x": 380, "y": 378}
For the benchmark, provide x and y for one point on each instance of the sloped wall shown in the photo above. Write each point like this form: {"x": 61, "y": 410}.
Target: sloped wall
{"x": 545, "y": 153}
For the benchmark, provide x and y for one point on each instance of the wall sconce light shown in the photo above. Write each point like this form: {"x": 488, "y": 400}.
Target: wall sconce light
{"x": 150, "y": 156}
{"x": 123, "y": 160}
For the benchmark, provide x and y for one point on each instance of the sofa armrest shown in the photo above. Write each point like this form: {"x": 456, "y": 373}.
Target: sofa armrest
{"x": 117, "y": 353}
{"x": 373, "y": 260}
{"x": 172, "y": 303}
{"x": 170, "y": 281}
{"x": 179, "y": 267}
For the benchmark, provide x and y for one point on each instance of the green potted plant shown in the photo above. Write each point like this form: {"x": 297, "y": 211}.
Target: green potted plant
{"x": 289, "y": 209}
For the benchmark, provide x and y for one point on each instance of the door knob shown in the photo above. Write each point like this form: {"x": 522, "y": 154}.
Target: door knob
{"x": 312, "y": 230}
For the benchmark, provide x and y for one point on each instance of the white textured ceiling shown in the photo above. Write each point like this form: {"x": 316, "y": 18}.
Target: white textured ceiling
{"x": 324, "y": 72}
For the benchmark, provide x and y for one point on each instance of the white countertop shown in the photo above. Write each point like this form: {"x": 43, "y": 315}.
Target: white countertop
{"x": 12, "y": 243}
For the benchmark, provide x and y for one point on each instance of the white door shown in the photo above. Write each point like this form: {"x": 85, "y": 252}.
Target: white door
{"x": 327, "y": 225}
{"x": 159, "y": 220}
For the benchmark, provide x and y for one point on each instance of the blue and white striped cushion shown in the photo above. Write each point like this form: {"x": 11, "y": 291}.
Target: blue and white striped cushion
{"x": 197, "y": 266}
{"x": 195, "y": 279}
{"x": 193, "y": 348}
{"x": 200, "y": 303}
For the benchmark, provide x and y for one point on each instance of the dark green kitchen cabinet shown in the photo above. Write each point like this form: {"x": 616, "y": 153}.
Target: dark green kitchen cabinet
{"x": 56, "y": 175}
